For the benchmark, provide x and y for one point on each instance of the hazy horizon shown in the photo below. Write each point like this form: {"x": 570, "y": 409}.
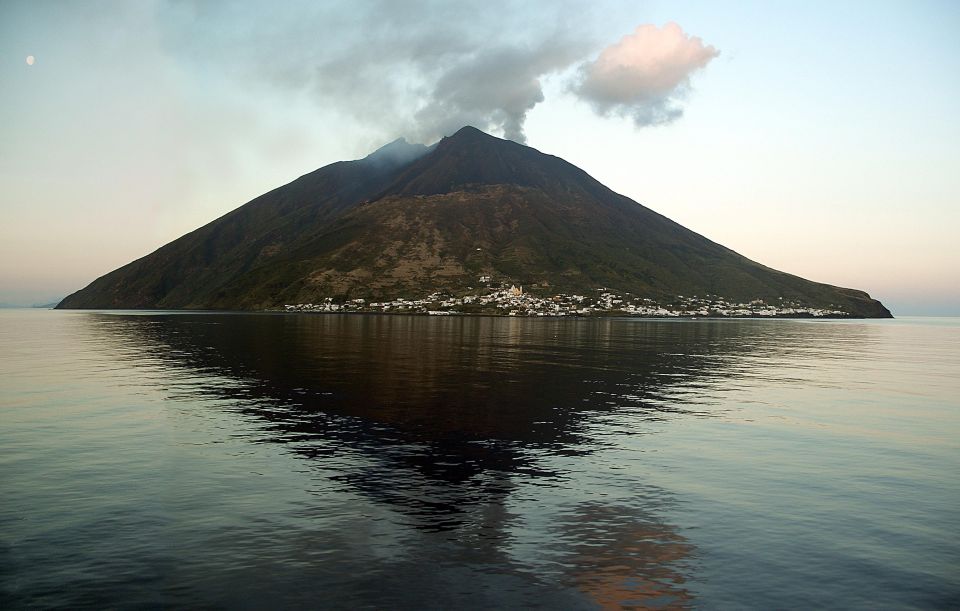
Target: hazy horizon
{"x": 819, "y": 140}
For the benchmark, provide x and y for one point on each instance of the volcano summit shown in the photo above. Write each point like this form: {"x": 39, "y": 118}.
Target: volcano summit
{"x": 410, "y": 220}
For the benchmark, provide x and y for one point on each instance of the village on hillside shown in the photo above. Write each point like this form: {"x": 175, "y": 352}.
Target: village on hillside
{"x": 513, "y": 301}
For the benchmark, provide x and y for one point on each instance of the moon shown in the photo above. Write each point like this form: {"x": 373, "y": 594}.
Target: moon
{"x": 30, "y": 60}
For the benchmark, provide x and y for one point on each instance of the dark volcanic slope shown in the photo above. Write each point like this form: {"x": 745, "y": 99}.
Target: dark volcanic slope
{"x": 409, "y": 220}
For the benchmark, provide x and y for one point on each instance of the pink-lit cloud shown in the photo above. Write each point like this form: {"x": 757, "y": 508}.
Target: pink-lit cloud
{"x": 646, "y": 75}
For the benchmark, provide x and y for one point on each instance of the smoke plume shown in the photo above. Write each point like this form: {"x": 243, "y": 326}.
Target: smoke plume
{"x": 425, "y": 69}
{"x": 417, "y": 69}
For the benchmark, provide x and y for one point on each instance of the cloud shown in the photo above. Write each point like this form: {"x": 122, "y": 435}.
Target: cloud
{"x": 646, "y": 75}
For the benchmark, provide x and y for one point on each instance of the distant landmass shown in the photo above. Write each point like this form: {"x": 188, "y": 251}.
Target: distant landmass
{"x": 470, "y": 215}
{"x": 48, "y": 306}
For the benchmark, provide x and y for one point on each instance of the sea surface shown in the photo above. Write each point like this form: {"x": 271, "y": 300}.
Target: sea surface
{"x": 253, "y": 461}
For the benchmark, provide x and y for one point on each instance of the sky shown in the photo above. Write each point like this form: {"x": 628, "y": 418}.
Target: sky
{"x": 818, "y": 138}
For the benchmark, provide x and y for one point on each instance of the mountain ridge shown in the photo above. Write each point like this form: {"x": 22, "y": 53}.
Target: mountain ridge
{"x": 410, "y": 219}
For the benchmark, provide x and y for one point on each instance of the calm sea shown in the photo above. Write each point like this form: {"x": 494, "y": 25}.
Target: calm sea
{"x": 357, "y": 461}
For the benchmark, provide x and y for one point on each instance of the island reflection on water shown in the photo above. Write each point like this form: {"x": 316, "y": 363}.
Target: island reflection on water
{"x": 436, "y": 418}
{"x": 363, "y": 461}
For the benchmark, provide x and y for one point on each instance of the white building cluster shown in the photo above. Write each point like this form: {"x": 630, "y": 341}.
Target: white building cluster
{"x": 514, "y": 301}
